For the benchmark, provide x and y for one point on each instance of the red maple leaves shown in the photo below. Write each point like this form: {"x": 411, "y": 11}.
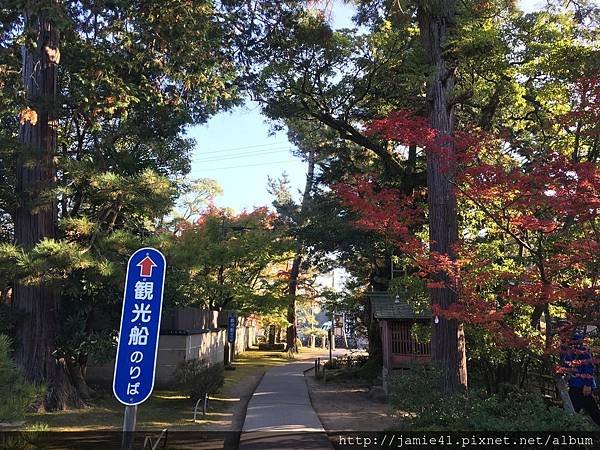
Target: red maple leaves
{"x": 542, "y": 209}
{"x": 383, "y": 210}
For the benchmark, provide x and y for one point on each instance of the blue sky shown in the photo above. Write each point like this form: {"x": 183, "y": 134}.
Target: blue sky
{"x": 238, "y": 149}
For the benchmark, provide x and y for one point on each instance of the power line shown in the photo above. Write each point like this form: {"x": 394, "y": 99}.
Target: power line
{"x": 242, "y": 155}
{"x": 230, "y": 149}
{"x": 250, "y": 165}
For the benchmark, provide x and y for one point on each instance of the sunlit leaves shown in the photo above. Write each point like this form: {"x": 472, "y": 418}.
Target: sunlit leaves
{"x": 28, "y": 115}
{"x": 230, "y": 261}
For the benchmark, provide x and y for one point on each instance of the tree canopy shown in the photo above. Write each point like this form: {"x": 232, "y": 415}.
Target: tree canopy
{"x": 452, "y": 149}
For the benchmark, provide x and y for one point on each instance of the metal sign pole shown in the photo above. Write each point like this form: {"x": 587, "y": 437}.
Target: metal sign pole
{"x": 231, "y": 335}
{"x": 129, "y": 420}
{"x": 330, "y": 344}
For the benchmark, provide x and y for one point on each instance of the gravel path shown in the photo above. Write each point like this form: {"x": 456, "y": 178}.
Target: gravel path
{"x": 344, "y": 406}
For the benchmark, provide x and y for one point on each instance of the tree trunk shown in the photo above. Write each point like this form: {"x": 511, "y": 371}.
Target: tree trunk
{"x": 77, "y": 376}
{"x": 291, "y": 312}
{"x": 436, "y": 22}
{"x": 36, "y": 216}
{"x": 292, "y": 331}
{"x": 374, "y": 334}
{"x": 563, "y": 390}
{"x": 272, "y": 334}
{"x": 379, "y": 281}
{"x": 560, "y": 381}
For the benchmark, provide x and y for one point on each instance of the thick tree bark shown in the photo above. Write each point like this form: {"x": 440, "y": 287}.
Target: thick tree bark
{"x": 292, "y": 331}
{"x": 436, "y": 22}
{"x": 36, "y": 216}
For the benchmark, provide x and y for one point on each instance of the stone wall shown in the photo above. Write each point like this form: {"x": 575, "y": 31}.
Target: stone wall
{"x": 172, "y": 349}
{"x": 209, "y": 346}
{"x": 245, "y": 337}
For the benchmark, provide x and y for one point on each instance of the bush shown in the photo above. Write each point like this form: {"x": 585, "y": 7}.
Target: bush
{"x": 200, "y": 379}
{"x": 317, "y": 332}
{"x": 16, "y": 394}
{"x": 349, "y": 361}
{"x": 265, "y": 346}
{"x": 518, "y": 411}
{"x": 415, "y": 388}
{"x": 358, "y": 368}
{"x": 418, "y": 391}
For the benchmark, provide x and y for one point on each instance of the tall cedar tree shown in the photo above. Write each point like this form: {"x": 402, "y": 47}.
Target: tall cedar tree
{"x": 436, "y": 22}
{"x": 36, "y": 216}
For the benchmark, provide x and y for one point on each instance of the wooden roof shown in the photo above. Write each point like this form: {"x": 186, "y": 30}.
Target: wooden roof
{"x": 384, "y": 306}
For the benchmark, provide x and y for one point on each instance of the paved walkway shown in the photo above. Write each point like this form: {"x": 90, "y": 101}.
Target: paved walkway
{"x": 280, "y": 415}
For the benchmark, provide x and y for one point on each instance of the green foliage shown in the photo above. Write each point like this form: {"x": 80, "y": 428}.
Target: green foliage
{"x": 306, "y": 311}
{"x": 8, "y": 319}
{"x": 17, "y": 395}
{"x": 10, "y": 255}
{"x": 199, "y": 379}
{"x": 131, "y": 78}
{"x": 52, "y": 261}
{"x": 194, "y": 196}
{"x": 229, "y": 261}
{"x": 357, "y": 368}
{"x": 318, "y": 332}
{"x": 412, "y": 290}
{"x": 414, "y": 388}
{"x": 421, "y": 332}
{"x": 419, "y": 392}
{"x": 515, "y": 412}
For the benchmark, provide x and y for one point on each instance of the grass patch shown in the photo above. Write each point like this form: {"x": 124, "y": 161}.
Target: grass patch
{"x": 165, "y": 408}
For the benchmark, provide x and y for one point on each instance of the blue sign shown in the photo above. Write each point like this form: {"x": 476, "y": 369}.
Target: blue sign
{"x": 140, "y": 326}
{"x": 231, "y": 325}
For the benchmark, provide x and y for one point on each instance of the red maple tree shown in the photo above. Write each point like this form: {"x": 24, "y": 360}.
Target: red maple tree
{"x": 543, "y": 205}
